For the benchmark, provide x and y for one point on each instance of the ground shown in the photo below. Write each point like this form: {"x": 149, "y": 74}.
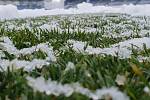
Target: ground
{"x": 77, "y": 57}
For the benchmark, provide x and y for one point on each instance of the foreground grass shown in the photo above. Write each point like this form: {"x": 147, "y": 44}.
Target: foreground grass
{"x": 91, "y": 71}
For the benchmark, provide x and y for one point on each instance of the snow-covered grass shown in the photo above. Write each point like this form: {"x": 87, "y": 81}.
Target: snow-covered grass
{"x": 121, "y": 49}
{"x": 75, "y": 57}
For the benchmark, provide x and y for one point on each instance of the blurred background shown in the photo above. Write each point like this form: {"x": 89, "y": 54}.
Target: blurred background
{"x": 51, "y": 4}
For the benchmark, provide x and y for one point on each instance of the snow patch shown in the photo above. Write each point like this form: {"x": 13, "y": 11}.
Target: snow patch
{"x": 8, "y": 12}
{"x": 55, "y": 88}
{"x": 8, "y": 46}
{"x": 121, "y": 49}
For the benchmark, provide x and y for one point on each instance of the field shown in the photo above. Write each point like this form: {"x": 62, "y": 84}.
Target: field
{"x": 75, "y": 57}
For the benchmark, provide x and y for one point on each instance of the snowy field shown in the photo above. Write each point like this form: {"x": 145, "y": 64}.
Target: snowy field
{"x": 75, "y": 54}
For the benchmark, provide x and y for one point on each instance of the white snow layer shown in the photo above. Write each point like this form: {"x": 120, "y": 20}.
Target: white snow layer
{"x": 11, "y": 11}
{"x": 54, "y": 88}
{"x": 121, "y": 49}
{"x": 7, "y": 45}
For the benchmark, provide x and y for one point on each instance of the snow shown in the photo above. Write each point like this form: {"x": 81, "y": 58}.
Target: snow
{"x": 70, "y": 66}
{"x": 146, "y": 89}
{"x": 121, "y": 49}
{"x": 53, "y": 87}
{"x": 10, "y": 11}
{"x": 8, "y": 46}
{"x": 26, "y": 65}
{"x": 53, "y": 4}
{"x": 141, "y": 59}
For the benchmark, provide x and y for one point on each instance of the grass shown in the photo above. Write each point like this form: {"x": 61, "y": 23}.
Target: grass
{"x": 91, "y": 71}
